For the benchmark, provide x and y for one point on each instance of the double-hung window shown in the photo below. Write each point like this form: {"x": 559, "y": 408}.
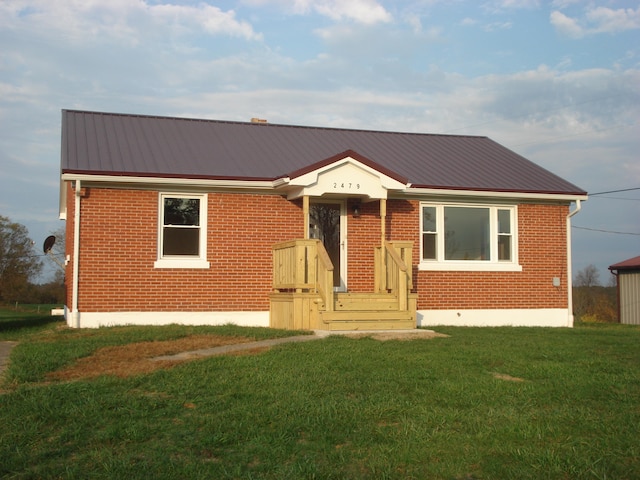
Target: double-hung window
{"x": 182, "y": 231}
{"x": 468, "y": 237}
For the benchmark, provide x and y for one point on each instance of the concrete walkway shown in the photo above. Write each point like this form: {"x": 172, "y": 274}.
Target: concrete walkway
{"x": 238, "y": 347}
{"x": 317, "y": 335}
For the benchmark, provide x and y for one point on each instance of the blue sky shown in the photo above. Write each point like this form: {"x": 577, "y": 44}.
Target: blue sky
{"x": 556, "y": 81}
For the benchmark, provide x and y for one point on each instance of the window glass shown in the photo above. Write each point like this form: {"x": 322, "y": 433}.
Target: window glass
{"x": 181, "y": 229}
{"x": 504, "y": 247}
{"x": 181, "y": 211}
{"x": 429, "y": 236}
{"x": 181, "y": 241}
{"x": 467, "y": 233}
{"x": 429, "y": 219}
{"x": 504, "y": 221}
{"x": 504, "y": 235}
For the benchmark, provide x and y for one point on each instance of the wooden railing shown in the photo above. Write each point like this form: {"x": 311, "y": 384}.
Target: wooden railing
{"x": 393, "y": 271}
{"x": 303, "y": 266}
{"x": 325, "y": 277}
{"x": 303, "y": 292}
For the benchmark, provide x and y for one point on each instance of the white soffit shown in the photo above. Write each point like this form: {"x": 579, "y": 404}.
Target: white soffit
{"x": 345, "y": 177}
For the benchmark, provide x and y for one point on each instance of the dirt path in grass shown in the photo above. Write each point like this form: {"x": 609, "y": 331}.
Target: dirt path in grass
{"x": 138, "y": 358}
{"x": 5, "y": 351}
{"x": 146, "y": 357}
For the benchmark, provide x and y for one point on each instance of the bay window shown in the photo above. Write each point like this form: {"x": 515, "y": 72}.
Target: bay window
{"x": 468, "y": 237}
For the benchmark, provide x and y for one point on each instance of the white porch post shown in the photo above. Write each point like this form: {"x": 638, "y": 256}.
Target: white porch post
{"x": 383, "y": 221}
{"x": 305, "y": 212}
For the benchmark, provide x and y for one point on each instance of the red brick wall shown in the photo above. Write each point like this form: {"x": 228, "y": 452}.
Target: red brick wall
{"x": 119, "y": 247}
{"x": 363, "y": 235}
{"x": 542, "y": 253}
{"x": 119, "y": 236}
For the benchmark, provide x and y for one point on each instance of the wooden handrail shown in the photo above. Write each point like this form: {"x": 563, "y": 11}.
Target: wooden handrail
{"x": 324, "y": 276}
{"x": 395, "y": 257}
{"x": 303, "y": 266}
{"x": 324, "y": 258}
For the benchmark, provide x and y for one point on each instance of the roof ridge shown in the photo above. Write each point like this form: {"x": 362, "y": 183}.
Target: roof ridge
{"x": 276, "y": 125}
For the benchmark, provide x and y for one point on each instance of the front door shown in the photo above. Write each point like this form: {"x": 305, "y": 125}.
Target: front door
{"x": 327, "y": 222}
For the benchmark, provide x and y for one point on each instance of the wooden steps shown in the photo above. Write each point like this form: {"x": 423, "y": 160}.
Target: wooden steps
{"x": 367, "y": 311}
{"x": 365, "y": 302}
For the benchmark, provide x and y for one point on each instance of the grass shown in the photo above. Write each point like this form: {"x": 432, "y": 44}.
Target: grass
{"x": 494, "y": 403}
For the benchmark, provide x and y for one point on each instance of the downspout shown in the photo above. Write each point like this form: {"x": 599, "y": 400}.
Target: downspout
{"x": 75, "y": 315}
{"x": 569, "y": 269}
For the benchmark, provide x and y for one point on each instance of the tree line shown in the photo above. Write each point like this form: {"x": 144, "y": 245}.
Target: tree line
{"x": 21, "y": 262}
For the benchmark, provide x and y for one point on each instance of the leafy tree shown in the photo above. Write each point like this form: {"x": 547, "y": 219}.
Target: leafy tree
{"x": 18, "y": 260}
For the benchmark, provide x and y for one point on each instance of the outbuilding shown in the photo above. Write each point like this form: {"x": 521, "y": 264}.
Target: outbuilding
{"x": 628, "y": 284}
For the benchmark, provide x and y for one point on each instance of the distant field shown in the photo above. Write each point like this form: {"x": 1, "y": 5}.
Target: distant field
{"x": 483, "y": 403}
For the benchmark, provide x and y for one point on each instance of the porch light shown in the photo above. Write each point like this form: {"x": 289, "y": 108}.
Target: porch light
{"x": 356, "y": 210}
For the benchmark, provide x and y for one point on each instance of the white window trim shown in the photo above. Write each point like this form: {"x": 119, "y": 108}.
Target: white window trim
{"x": 183, "y": 261}
{"x": 440, "y": 264}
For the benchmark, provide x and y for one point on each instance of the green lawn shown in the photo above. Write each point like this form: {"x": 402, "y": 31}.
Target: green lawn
{"x": 494, "y": 403}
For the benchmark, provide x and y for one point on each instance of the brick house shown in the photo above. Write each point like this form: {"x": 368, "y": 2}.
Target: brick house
{"x": 172, "y": 220}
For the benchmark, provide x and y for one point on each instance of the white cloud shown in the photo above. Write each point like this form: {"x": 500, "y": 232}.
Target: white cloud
{"x": 500, "y": 6}
{"x": 491, "y": 27}
{"x": 518, "y": 3}
{"x": 367, "y": 12}
{"x": 84, "y": 21}
{"x": 597, "y": 20}
{"x": 606, "y": 20}
{"x": 564, "y": 3}
{"x": 565, "y": 25}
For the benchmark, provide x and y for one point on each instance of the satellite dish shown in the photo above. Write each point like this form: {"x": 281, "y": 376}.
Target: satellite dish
{"x": 48, "y": 243}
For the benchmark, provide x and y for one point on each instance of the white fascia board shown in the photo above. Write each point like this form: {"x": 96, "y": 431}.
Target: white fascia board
{"x": 467, "y": 194}
{"x": 62, "y": 205}
{"x": 183, "y": 182}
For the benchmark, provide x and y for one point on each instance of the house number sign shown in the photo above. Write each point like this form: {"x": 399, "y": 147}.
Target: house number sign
{"x": 346, "y": 186}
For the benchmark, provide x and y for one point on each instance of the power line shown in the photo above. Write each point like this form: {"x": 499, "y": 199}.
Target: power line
{"x": 621, "y": 198}
{"x": 605, "y": 231}
{"x": 615, "y": 191}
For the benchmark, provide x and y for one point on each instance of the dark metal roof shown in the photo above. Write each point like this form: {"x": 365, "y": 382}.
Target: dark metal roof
{"x": 630, "y": 264}
{"x": 151, "y": 146}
